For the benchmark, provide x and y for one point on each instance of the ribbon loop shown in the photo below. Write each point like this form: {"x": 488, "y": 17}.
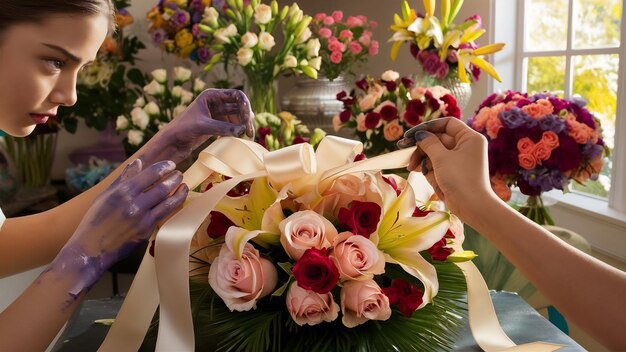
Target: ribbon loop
{"x": 292, "y": 164}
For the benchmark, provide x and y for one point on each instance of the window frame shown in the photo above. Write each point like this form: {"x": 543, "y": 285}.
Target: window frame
{"x": 601, "y": 222}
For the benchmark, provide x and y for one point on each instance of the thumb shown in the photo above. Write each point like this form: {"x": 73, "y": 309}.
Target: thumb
{"x": 222, "y": 128}
{"x": 430, "y": 144}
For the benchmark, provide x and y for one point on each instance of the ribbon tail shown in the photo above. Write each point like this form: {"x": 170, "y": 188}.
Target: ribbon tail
{"x": 135, "y": 315}
{"x": 483, "y": 322}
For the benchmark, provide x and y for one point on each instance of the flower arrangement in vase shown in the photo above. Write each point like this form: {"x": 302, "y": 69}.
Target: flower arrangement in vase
{"x": 245, "y": 33}
{"x": 344, "y": 43}
{"x": 107, "y": 87}
{"x": 161, "y": 101}
{"x": 284, "y": 129}
{"x": 379, "y": 111}
{"x": 539, "y": 143}
{"x": 442, "y": 47}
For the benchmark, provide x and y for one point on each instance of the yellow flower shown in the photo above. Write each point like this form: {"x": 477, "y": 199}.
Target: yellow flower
{"x": 123, "y": 20}
{"x": 156, "y": 18}
{"x": 183, "y": 38}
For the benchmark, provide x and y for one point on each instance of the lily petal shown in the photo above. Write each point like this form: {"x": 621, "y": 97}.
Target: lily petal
{"x": 413, "y": 263}
{"x": 487, "y": 67}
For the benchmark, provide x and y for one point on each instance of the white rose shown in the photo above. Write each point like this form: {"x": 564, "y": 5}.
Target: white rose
{"x": 198, "y": 85}
{"x": 152, "y": 108}
{"x": 316, "y": 62}
{"x": 231, "y": 30}
{"x": 177, "y": 91}
{"x": 186, "y": 97}
{"x": 161, "y": 125}
{"x": 182, "y": 74}
{"x": 160, "y": 75}
{"x": 179, "y": 109}
{"x": 210, "y": 16}
{"x": 249, "y": 40}
{"x": 294, "y": 9}
{"x": 244, "y": 56}
{"x": 121, "y": 123}
{"x": 390, "y": 75}
{"x": 140, "y": 102}
{"x": 154, "y": 88}
{"x": 291, "y": 61}
{"x": 304, "y": 36}
{"x": 135, "y": 137}
{"x": 313, "y": 48}
{"x": 266, "y": 41}
{"x": 223, "y": 35}
{"x": 140, "y": 118}
{"x": 262, "y": 14}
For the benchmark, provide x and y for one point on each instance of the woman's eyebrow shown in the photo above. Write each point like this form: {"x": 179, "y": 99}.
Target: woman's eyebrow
{"x": 64, "y": 52}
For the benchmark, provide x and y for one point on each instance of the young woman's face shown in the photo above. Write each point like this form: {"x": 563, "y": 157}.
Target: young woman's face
{"x": 39, "y": 64}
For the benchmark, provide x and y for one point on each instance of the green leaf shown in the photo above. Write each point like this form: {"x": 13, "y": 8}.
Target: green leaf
{"x": 136, "y": 76}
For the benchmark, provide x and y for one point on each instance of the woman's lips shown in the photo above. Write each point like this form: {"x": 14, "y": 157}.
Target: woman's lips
{"x": 39, "y": 118}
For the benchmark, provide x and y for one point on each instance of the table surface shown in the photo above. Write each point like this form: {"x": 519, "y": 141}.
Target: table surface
{"x": 520, "y": 321}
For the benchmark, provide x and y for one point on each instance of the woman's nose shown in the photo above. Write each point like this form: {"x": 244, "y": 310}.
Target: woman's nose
{"x": 64, "y": 92}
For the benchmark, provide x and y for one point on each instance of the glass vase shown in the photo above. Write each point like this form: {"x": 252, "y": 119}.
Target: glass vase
{"x": 33, "y": 156}
{"x": 461, "y": 91}
{"x": 314, "y": 101}
{"x": 261, "y": 92}
{"x": 535, "y": 210}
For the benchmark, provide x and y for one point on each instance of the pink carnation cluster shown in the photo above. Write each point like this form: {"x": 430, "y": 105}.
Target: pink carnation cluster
{"x": 538, "y": 142}
{"x": 344, "y": 43}
{"x": 379, "y": 111}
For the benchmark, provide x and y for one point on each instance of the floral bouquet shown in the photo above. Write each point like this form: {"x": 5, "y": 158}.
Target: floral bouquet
{"x": 174, "y": 27}
{"x": 365, "y": 264}
{"x": 105, "y": 88}
{"x": 344, "y": 43}
{"x": 158, "y": 105}
{"x": 539, "y": 143}
{"x": 246, "y": 32}
{"x": 442, "y": 47}
{"x": 276, "y": 131}
{"x": 379, "y": 111}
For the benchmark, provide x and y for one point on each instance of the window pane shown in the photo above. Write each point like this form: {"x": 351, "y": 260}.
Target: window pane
{"x": 595, "y": 79}
{"x": 596, "y": 23}
{"x": 545, "y": 74}
{"x": 546, "y": 25}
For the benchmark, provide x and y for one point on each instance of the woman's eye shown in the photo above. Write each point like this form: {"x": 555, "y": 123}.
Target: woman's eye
{"x": 55, "y": 63}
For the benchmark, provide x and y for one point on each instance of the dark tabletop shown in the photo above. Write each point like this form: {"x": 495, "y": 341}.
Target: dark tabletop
{"x": 519, "y": 320}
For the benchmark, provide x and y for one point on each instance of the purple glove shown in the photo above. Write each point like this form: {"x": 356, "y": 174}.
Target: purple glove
{"x": 120, "y": 218}
{"x": 222, "y": 112}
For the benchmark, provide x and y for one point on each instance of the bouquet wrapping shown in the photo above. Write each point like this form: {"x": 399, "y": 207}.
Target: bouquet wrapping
{"x": 293, "y": 218}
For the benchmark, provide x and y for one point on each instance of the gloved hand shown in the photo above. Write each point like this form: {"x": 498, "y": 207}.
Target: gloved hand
{"x": 121, "y": 217}
{"x": 222, "y": 112}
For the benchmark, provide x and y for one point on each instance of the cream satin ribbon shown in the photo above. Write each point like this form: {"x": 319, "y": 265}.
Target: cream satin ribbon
{"x": 164, "y": 281}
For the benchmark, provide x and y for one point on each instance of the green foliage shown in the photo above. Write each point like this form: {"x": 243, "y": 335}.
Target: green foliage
{"x": 270, "y": 328}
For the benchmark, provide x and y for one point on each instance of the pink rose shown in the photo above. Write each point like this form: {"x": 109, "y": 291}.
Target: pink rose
{"x": 362, "y": 301}
{"x": 242, "y": 282}
{"x": 329, "y": 20}
{"x": 335, "y": 57}
{"x": 367, "y": 102}
{"x": 320, "y": 16}
{"x": 337, "y": 15}
{"x": 355, "y": 48}
{"x": 325, "y": 32}
{"x": 308, "y": 307}
{"x": 357, "y": 257}
{"x": 393, "y": 131}
{"x": 354, "y": 22}
{"x": 303, "y": 230}
{"x": 336, "y": 123}
{"x": 365, "y": 40}
{"x": 360, "y": 123}
{"x": 345, "y": 34}
{"x": 344, "y": 190}
{"x": 373, "y": 49}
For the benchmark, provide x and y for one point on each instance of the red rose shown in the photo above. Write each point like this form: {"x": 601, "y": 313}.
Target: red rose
{"x": 407, "y": 296}
{"x": 362, "y": 218}
{"x": 412, "y": 118}
{"x": 389, "y": 112}
{"x": 316, "y": 271}
{"x": 439, "y": 251}
{"x": 372, "y": 120}
{"x": 344, "y": 116}
{"x": 219, "y": 225}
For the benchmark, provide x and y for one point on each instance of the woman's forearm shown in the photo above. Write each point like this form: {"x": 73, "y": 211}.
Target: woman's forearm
{"x": 586, "y": 290}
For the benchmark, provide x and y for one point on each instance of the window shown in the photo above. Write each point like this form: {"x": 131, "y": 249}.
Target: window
{"x": 573, "y": 47}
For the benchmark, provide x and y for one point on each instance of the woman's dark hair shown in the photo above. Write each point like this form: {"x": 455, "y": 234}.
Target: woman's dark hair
{"x": 14, "y": 12}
